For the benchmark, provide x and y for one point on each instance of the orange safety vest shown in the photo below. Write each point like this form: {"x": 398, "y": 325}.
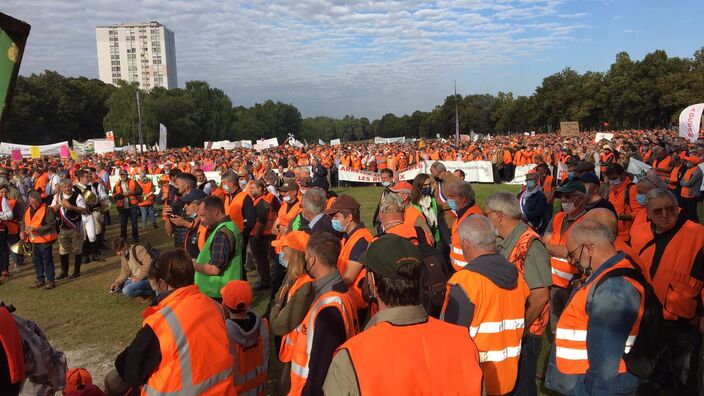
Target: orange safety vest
{"x": 409, "y": 232}
{"x": 233, "y": 206}
{"x": 147, "y": 188}
{"x": 427, "y": 358}
{"x": 497, "y": 326}
{"x": 355, "y": 290}
{"x": 41, "y": 183}
{"x": 674, "y": 182}
{"x": 131, "y": 185}
{"x": 669, "y": 272}
{"x": 562, "y": 271}
{"x": 193, "y": 343}
{"x": 270, "y": 217}
{"x": 329, "y": 202}
{"x": 36, "y": 221}
{"x": 285, "y": 217}
{"x": 302, "y": 346}
{"x": 250, "y": 366}
{"x": 12, "y": 226}
{"x": 664, "y": 163}
{"x": 518, "y": 258}
{"x": 12, "y": 344}
{"x": 571, "y": 349}
{"x": 456, "y": 255}
{"x": 289, "y": 340}
{"x": 617, "y": 197}
{"x": 685, "y": 193}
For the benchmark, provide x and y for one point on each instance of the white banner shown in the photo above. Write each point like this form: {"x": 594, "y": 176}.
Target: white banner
{"x": 690, "y": 120}
{"x": 82, "y": 148}
{"x": 519, "y": 176}
{"x": 48, "y": 149}
{"x": 603, "y": 136}
{"x": 474, "y": 171}
{"x": 162, "y": 137}
{"x": 346, "y": 173}
{"x": 295, "y": 143}
{"x": 335, "y": 142}
{"x": 636, "y": 167}
{"x": 412, "y": 171}
{"x": 273, "y": 142}
{"x": 381, "y": 140}
{"x": 321, "y": 142}
{"x": 103, "y": 146}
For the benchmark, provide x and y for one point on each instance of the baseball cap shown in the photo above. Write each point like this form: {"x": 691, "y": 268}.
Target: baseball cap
{"x": 237, "y": 295}
{"x": 569, "y": 187}
{"x": 343, "y": 201}
{"x": 289, "y": 186}
{"x": 387, "y": 253}
{"x": 403, "y": 186}
{"x": 77, "y": 379}
{"x": 296, "y": 240}
{"x": 194, "y": 195}
{"x": 589, "y": 178}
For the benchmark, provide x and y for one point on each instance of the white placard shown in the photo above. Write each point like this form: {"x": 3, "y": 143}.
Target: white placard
{"x": 47, "y": 149}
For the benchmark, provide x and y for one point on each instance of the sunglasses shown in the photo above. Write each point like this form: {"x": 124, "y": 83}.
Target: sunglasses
{"x": 666, "y": 210}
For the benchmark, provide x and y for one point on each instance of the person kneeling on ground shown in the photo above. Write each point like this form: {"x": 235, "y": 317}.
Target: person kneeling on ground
{"x": 182, "y": 347}
{"x": 135, "y": 262}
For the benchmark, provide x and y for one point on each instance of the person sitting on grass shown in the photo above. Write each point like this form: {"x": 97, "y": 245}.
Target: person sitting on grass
{"x": 135, "y": 262}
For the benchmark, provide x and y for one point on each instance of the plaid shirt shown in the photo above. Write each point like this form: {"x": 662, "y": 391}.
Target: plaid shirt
{"x": 220, "y": 250}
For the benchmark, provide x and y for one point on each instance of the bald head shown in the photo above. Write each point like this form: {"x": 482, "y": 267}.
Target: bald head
{"x": 604, "y": 217}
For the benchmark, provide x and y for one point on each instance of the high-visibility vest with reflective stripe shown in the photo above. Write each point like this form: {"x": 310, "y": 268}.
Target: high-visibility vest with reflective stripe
{"x": 288, "y": 340}
{"x": 456, "y": 255}
{"x": 571, "y": 354}
{"x": 306, "y": 331}
{"x": 497, "y": 326}
{"x": 518, "y": 258}
{"x": 11, "y": 342}
{"x": 428, "y": 358}
{"x": 285, "y": 217}
{"x": 195, "y": 350}
{"x": 233, "y": 207}
{"x": 672, "y": 281}
{"x": 36, "y": 221}
{"x": 562, "y": 271}
{"x": 347, "y": 246}
{"x": 251, "y": 363}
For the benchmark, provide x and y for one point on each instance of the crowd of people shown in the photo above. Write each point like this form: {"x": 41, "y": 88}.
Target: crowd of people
{"x": 440, "y": 294}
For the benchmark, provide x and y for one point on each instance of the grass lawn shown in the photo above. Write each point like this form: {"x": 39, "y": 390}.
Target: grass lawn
{"x": 92, "y": 326}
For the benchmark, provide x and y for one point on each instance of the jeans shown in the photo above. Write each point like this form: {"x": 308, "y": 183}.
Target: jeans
{"x": 131, "y": 215}
{"x": 43, "y": 262}
{"x": 146, "y": 212}
{"x": 527, "y": 365}
{"x": 135, "y": 289}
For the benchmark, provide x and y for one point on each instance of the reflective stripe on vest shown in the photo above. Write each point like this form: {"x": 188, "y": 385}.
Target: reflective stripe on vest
{"x": 456, "y": 255}
{"x": 288, "y": 340}
{"x": 344, "y": 258}
{"x": 184, "y": 358}
{"x": 253, "y": 381}
{"x": 562, "y": 271}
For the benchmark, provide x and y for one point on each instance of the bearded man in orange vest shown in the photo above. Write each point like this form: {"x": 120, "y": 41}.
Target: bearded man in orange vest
{"x": 600, "y": 323}
{"x": 447, "y": 354}
{"x": 488, "y": 297}
{"x": 521, "y": 245}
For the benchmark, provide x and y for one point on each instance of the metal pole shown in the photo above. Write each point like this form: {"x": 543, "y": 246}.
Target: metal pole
{"x": 139, "y": 125}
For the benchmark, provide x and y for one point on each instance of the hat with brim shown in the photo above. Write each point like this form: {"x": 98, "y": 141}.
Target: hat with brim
{"x": 296, "y": 240}
{"x": 389, "y": 252}
{"x": 570, "y": 187}
{"x": 194, "y": 195}
{"x": 342, "y": 202}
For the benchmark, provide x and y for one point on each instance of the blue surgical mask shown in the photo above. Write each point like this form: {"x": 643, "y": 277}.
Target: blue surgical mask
{"x": 386, "y": 183}
{"x": 427, "y": 191}
{"x": 452, "y": 204}
{"x": 570, "y": 175}
{"x": 640, "y": 198}
{"x": 530, "y": 184}
{"x": 337, "y": 226}
{"x": 282, "y": 260}
{"x": 226, "y": 187}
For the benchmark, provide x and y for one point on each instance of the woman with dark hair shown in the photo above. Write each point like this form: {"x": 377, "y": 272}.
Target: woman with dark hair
{"x": 183, "y": 332}
{"x": 423, "y": 199}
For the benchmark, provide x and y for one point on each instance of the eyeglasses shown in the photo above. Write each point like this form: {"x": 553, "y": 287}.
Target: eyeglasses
{"x": 570, "y": 255}
{"x": 666, "y": 210}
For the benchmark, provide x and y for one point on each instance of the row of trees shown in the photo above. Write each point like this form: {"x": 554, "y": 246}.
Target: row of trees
{"x": 649, "y": 93}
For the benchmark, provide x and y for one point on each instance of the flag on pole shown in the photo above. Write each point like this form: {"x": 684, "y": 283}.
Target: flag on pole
{"x": 457, "y": 120}
{"x": 162, "y": 137}
{"x": 13, "y": 36}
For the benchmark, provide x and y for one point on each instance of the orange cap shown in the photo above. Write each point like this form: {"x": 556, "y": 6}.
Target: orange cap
{"x": 237, "y": 295}
{"x": 77, "y": 379}
{"x": 296, "y": 240}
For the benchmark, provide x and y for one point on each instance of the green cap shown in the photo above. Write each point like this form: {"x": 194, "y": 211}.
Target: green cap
{"x": 570, "y": 187}
{"x": 387, "y": 253}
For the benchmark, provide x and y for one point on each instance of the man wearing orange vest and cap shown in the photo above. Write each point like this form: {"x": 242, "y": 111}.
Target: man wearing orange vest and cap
{"x": 461, "y": 199}
{"x": 488, "y": 297}
{"x": 401, "y": 350}
{"x": 601, "y": 320}
{"x": 521, "y": 245}
{"x": 249, "y": 339}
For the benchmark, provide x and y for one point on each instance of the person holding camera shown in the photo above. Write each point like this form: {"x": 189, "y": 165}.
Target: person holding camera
{"x": 135, "y": 262}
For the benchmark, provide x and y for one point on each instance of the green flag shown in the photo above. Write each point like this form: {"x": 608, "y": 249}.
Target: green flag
{"x": 13, "y": 36}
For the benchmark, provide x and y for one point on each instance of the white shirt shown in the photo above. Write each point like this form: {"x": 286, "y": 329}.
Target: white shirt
{"x": 6, "y": 213}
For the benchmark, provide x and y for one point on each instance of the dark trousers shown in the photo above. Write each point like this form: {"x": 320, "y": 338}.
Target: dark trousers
{"x": 43, "y": 262}
{"x": 278, "y": 274}
{"x": 260, "y": 253}
{"x": 245, "y": 243}
{"x": 131, "y": 215}
{"x": 558, "y": 301}
{"x": 4, "y": 253}
{"x": 690, "y": 208}
{"x": 18, "y": 259}
{"x": 527, "y": 365}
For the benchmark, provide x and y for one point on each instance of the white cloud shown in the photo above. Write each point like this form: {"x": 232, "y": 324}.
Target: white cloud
{"x": 328, "y": 57}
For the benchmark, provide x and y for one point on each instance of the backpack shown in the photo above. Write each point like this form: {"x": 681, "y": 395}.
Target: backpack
{"x": 645, "y": 354}
{"x": 153, "y": 253}
{"x": 434, "y": 276}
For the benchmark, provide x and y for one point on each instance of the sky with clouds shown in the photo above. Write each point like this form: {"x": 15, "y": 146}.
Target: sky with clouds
{"x": 367, "y": 58}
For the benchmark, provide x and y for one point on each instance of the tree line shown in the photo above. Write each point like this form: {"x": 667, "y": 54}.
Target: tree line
{"x": 647, "y": 93}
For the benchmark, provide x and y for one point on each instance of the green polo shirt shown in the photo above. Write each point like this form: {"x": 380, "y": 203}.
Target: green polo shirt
{"x": 537, "y": 265}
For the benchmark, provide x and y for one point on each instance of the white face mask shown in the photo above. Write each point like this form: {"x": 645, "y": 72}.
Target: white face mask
{"x": 243, "y": 183}
{"x": 567, "y": 207}
{"x": 287, "y": 199}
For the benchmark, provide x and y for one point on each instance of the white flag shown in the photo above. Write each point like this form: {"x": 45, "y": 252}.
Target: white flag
{"x": 162, "y": 137}
{"x": 321, "y": 142}
{"x": 690, "y": 120}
